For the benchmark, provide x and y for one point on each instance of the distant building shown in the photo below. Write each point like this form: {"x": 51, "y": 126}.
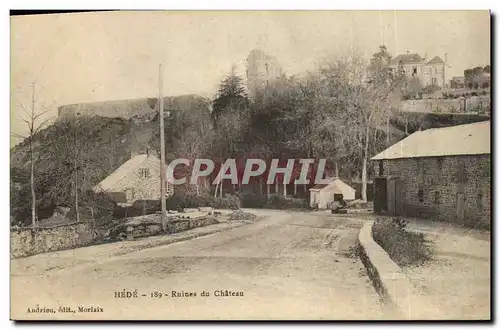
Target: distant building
{"x": 323, "y": 194}
{"x": 138, "y": 179}
{"x": 437, "y": 174}
{"x": 457, "y": 82}
{"x": 261, "y": 70}
{"x": 429, "y": 72}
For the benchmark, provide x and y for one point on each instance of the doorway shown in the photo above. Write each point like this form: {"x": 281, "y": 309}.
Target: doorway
{"x": 460, "y": 207}
{"x": 380, "y": 198}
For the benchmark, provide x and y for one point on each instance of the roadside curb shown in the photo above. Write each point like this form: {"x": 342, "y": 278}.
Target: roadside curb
{"x": 391, "y": 283}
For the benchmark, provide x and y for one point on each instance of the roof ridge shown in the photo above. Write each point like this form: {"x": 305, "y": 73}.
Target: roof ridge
{"x": 436, "y": 142}
{"x": 126, "y": 172}
{"x": 455, "y": 126}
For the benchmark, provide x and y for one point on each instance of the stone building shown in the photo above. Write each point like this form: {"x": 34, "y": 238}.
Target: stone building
{"x": 428, "y": 72}
{"x": 261, "y": 69}
{"x": 138, "y": 179}
{"x": 440, "y": 174}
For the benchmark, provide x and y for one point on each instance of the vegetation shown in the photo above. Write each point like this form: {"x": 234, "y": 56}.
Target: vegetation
{"x": 406, "y": 248}
{"x": 475, "y": 78}
{"x": 335, "y": 112}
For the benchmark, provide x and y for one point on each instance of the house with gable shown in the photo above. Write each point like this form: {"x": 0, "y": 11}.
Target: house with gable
{"x": 138, "y": 179}
{"x": 429, "y": 72}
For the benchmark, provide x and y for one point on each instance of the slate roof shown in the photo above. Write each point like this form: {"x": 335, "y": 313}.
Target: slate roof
{"x": 436, "y": 60}
{"x": 468, "y": 139}
{"x": 414, "y": 58}
{"x": 407, "y": 59}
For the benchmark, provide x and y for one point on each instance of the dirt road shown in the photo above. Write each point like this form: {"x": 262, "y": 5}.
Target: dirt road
{"x": 286, "y": 266}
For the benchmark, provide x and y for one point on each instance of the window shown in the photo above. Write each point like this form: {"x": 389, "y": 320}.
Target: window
{"x": 381, "y": 168}
{"x": 434, "y": 81}
{"x": 437, "y": 197}
{"x": 414, "y": 70}
{"x": 420, "y": 166}
{"x": 479, "y": 201}
{"x": 420, "y": 195}
{"x": 129, "y": 195}
{"x": 461, "y": 173}
{"x": 440, "y": 163}
{"x": 144, "y": 173}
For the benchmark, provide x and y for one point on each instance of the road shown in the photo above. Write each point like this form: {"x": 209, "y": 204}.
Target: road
{"x": 285, "y": 266}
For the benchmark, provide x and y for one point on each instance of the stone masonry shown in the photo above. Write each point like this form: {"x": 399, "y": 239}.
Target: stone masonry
{"x": 27, "y": 241}
{"x": 432, "y": 187}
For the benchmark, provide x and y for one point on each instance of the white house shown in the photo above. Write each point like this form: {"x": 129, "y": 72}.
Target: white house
{"x": 137, "y": 179}
{"x": 323, "y": 194}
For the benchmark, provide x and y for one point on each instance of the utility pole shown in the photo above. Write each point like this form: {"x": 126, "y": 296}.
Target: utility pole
{"x": 76, "y": 169}
{"x": 162, "y": 156}
{"x": 388, "y": 133}
{"x": 32, "y": 126}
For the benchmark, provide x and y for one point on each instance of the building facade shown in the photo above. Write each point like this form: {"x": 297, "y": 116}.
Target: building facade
{"x": 448, "y": 180}
{"x": 323, "y": 194}
{"x": 138, "y": 179}
{"x": 457, "y": 82}
{"x": 429, "y": 72}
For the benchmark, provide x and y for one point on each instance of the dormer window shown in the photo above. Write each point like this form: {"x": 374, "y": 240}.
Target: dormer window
{"x": 144, "y": 173}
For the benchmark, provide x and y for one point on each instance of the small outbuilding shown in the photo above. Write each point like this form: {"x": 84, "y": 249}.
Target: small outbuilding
{"x": 323, "y": 194}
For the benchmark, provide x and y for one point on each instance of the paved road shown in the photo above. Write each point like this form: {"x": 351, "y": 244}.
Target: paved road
{"x": 286, "y": 266}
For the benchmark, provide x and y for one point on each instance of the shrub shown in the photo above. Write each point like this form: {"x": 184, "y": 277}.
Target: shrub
{"x": 280, "y": 202}
{"x": 253, "y": 200}
{"x": 405, "y": 248}
{"x": 431, "y": 89}
{"x": 227, "y": 202}
{"x": 179, "y": 201}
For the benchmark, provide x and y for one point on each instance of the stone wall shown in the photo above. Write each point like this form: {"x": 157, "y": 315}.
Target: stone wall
{"x": 473, "y": 104}
{"x": 431, "y": 186}
{"x": 27, "y": 241}
{"x": 173, "y": 226}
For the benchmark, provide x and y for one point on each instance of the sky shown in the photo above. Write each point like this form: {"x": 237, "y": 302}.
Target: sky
{"x": 86, "y": 57}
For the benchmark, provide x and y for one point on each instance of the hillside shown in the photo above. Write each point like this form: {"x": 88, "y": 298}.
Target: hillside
{"x": 127, "y": 109}
{"x": 98, "y": 144}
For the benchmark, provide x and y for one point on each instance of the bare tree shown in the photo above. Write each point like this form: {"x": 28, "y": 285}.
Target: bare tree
{"x": 359, "y": 105}
{"x": 33, "y": 121}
